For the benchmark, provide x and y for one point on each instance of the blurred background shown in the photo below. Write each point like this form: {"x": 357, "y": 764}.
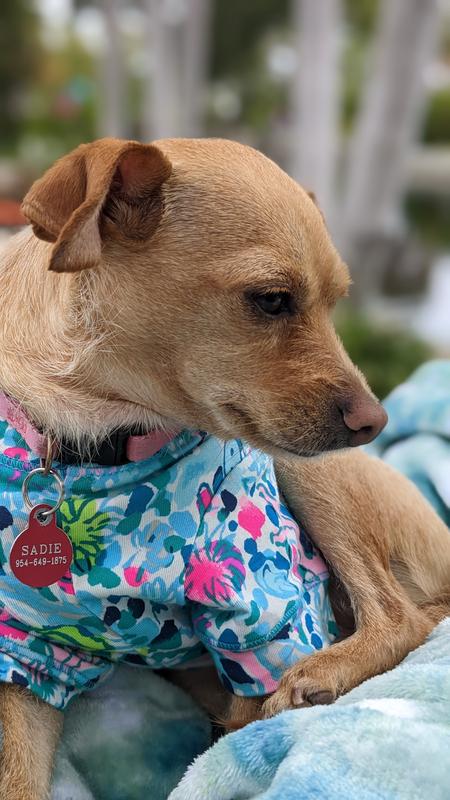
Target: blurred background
{"x": 351, "y": 97}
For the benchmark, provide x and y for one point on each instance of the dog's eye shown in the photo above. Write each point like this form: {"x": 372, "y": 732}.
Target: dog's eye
{"x": 273, "y": 303}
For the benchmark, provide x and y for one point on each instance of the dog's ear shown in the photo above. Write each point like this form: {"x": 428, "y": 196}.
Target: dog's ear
{"x": 104, "y": 188}
{"x": 312, "y": 196}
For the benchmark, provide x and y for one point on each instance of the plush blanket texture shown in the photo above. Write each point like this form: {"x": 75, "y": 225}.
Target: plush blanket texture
{"x": 416, "y": 440}
{"x": 388, "y": 739}
{"x": 129, "y": 739}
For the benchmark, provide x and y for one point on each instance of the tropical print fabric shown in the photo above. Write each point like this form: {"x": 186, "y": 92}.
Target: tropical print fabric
{"x": 188, "y": 552}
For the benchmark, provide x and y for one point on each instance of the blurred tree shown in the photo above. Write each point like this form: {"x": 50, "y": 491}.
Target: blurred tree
{"x": 196, "y": 65}
{"x": 177, "y": 39}
{"x": 387, "y": 124}
{"x": 316, "y": 98}
{"x": 161, "y": 91}
{"x": 112, "y": 119}
{"x": 360, "y": 17}
{"x": 20, "y": 54}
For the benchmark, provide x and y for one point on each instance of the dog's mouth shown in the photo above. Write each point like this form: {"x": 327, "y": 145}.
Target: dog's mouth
{"x": 239, "y": 423}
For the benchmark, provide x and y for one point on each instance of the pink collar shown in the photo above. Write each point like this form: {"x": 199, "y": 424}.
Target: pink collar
{"x": 138, "y": 448}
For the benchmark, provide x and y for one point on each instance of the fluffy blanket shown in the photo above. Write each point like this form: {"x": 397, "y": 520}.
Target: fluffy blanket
{"x": 133, "y": 737}
{"x": 416, "y": 440}
{"x": 389, "y": 739}
{"x": 130, "y": 739}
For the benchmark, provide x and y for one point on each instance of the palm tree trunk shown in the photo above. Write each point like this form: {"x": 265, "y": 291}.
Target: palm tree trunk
{"x": 112, "y": 119}
{"x": 175, "y": 84}
{"x": 194, "y": 71}
{"x": 162, "y": 96}
{"x": 388, "y": 122}
{"x": 316, "y": 98}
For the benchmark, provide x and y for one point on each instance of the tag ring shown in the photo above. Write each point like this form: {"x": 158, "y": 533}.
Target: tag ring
{"x": 59, "y": 484}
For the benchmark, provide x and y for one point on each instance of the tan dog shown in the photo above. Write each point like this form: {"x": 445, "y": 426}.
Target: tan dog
{"x": 192, "y": 281}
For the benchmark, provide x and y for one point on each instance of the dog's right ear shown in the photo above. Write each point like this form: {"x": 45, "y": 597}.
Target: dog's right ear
{"x": 108, "y": 184}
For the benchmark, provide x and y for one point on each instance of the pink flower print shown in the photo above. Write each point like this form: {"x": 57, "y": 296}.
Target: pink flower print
{"x": 65, "y": 583}
{"x": 136, "y": 576}
{"x": 251, "y": 518}
{"x": 17, "y": 452}
{"x": 204, "y": 497}
{"x": 315, "y": 565}
{"x": 9, "y": 630}
{"x": 215, "y": 573}
{"x": 255, "y": 667}
{"x": 21, "y": 455}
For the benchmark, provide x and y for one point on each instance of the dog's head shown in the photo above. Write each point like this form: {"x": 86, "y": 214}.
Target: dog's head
{"x": 217, "y": 276}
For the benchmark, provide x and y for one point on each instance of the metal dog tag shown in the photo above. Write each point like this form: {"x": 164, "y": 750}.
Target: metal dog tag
{"x": 42, "y": 553}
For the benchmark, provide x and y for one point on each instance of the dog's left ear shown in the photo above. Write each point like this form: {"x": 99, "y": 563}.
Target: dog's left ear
{"x": 313, "y": 197}
{"x": 107, "y": 188}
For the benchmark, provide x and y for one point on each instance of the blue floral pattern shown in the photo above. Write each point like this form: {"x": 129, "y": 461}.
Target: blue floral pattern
{"x": 190, "y": 551}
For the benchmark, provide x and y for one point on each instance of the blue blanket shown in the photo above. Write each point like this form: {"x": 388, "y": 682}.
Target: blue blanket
{"x": 131, "y": 738}
{"x": 388, "y": 739}
{"x": 416, "y": 440}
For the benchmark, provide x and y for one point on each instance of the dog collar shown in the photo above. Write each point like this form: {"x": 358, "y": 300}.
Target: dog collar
{"x": 121, "y": 447}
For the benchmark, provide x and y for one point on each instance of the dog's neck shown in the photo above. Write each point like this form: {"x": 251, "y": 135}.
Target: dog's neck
{"x": 57, "y": 351}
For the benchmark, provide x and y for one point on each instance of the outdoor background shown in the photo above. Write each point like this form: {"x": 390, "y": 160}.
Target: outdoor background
{"x": 351, "y": 97}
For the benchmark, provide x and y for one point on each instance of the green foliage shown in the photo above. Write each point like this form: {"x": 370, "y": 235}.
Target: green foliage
{"x": 83, "y": 523}
{"x": 353, "y": 65}
{"x": 437, "y": 120}
{"x": 429, "y": 216}
{"x": 19, "y": 56}
{"x": 237, "y": 28}
{"x": 239, "y": 36}
{"x": 63, "y": 98}
{"x": 362, "y": 15}
{"x": 386, "y": 356}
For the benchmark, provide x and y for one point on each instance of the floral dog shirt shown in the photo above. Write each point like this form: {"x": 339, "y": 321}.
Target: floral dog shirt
{"x": 187, "y": 552}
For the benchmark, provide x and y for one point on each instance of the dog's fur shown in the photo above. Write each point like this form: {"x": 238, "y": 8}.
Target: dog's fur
{"x": 131, "y": 302}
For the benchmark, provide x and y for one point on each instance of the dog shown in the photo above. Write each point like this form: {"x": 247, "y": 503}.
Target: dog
{"x": 189, "y": 284}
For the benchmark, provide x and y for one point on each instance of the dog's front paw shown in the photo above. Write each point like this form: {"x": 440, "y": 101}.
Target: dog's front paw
{"x": 308, "y": 683}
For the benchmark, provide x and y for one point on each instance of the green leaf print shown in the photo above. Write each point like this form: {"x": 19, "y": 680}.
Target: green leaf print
{"x": 254, "y": 615}
{"x": 48, "y": 594}
{"x": 2, "y": 556}
{"x": 102, "y": 576}
{"x": 129, "y": 524}
{"x": 72, "y": 636}
{"x": 174, "y": 543}
{"x": 83, "y": 523}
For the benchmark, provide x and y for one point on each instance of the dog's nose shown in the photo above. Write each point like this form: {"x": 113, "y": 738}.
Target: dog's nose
{"x": 364, "y": 419}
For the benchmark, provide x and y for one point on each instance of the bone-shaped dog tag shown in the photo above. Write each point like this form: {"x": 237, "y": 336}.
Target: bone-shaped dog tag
{"x": 42, "y": 553}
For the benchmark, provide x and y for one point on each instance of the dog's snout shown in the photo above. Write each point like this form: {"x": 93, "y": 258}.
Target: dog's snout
{"x": 364, "y": 420}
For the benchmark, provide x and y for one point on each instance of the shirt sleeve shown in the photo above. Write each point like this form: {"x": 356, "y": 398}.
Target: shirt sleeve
{"x": 51, "y": 671}
{"x": 256, "y": 584}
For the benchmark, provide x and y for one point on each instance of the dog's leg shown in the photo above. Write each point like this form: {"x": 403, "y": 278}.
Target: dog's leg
{"x": 30, "y": 730}
{"x": 354, "y": 507}
{"x": 242, "y": 711}
{"x": 421, "y": 562}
